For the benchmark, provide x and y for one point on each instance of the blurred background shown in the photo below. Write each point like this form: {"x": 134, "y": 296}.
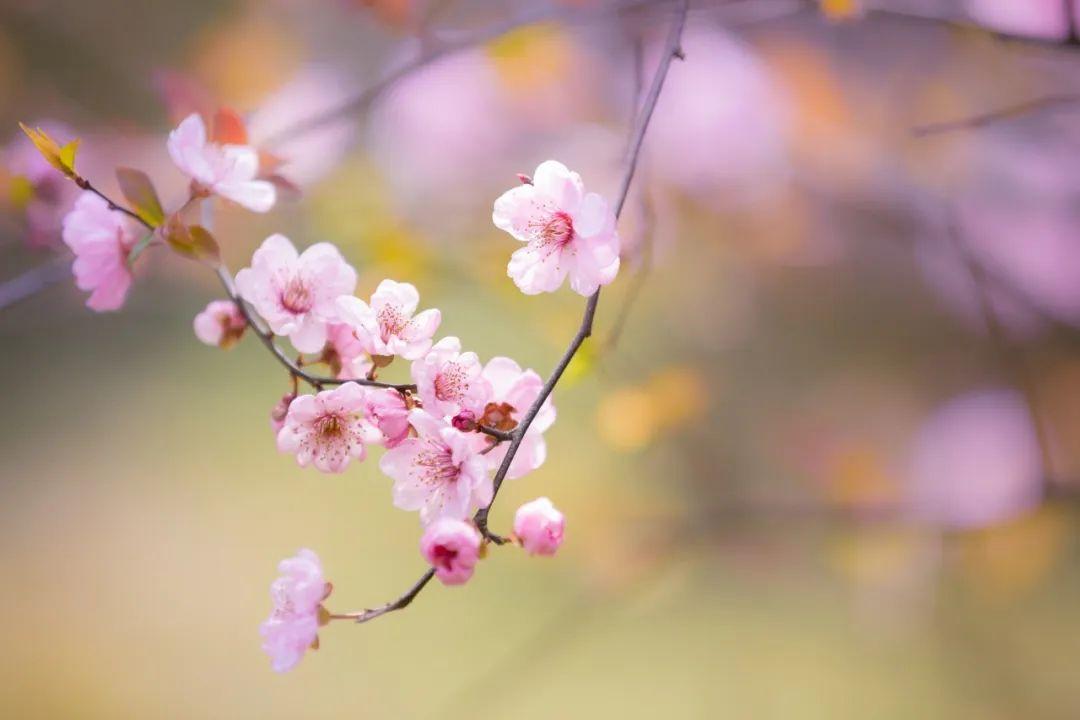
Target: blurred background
{"x": 820, "y": 459}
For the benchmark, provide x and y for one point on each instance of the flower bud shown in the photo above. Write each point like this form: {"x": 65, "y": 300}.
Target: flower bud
{"x": 452, "y": 547}
{"x": 465, "y": 421}
{"x": 539, "y": 527}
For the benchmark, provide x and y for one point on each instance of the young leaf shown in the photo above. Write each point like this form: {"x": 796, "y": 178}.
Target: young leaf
{"x": 142, "y": 196}
{"x": 61, "y": 158}
{"x": 194, "y": 241}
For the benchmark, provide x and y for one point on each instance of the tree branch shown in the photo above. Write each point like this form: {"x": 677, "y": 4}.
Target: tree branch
{"x": 34, "y": 280}
{"x": 1003, "y": 114}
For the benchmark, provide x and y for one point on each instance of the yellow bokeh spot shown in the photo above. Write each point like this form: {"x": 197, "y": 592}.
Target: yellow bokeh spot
{"x": 626, "y": 419}
{"x": 1006, "y": 560}
{"x": 877, "y": 555}
{"x": 531, "y": 57}
{"x": 841, "y": 9}
{"x": 244, "y": 60}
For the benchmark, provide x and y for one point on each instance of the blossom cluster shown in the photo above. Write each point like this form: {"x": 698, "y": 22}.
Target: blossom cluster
{"x": 446, "y": 435}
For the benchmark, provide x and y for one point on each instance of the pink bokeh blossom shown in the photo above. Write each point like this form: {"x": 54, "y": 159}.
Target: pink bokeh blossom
{"x": 293, "y": 625}
{"x": 221, "y": 324}
{"x": 439, "y": 472}
{"x": 568, "y": 233}
{"x": 1032, "y": 18}
{"x": 389, "y": 324}
{"x": 296, "y": 294}
{"x": 513, "y": 391}
{"x": 452, "y": 547}
{"x": 101, "y": 240}
{"x": 539, "y": 526}
{"x": 328, "y": 430}
{"x": 231, "y": 171}
{"x": 449, "y": 380}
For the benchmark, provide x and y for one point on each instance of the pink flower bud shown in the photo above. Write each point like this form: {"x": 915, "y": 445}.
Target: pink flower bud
{"x": 539, "y": 526}
{"x": 452, "y": 547}
{"x": 280, "y": 411}
{"x": 221, "y": 324}
{"x": 465, "y": 421}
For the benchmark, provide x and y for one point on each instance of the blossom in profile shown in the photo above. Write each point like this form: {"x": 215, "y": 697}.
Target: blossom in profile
{"x": 329, "y": 429}
{"x": 101, "y": 240}
{"x": 296, "y": 294}
{"x": 387, "y": 410}
{"x": 449, "y": 380}
{"x": 567, "y": 233}
{"x": 439, "y": 472}
{"x": 344, "y": 353}
{"x": 539, "y": 526}
{"x": 513, "y": 392}
{"x": 228, "y": 170}
{"x": 221, "y": 324}
{"x": 293, "y": 625}
{"x": 33, "y": 188}
{"x": 1047, "y": 19}
{"x": 389, "y": 325}
{"x": 452, "y": 547}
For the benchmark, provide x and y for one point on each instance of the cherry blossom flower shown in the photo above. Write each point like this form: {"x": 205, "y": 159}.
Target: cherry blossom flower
{"x": 567, "y": 232}
{"x": 387, "y": 326}
{"x": 452, "y": 547}
{"x": 448, "y": 380}
{"x": 439, "y": 473}
{"x": 344, "y": 353}
{"x": 328, "y": 429}
{"x": 296, "y": 294}
{"x": 388, "y": 411}
{"x": 230, "y": 171}
{"x": 539, "y": 526}
{"x": 293, "y": 625}
{"x": 513, "y": 392}
{"x": 101, "y": 240}
{"x": 221, "y": 324}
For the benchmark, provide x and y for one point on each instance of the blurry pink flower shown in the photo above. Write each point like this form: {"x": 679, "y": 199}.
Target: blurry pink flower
{"x": 296, "y": 294}
{"x": 539, "y": 526}
{"x": 568, "y": 233}
{"x": 387, "y": 326}
{"x": 293, "y": 625}
{"x": 438, "y": 473}
{"x": 976, "y": 461}
{"x": 328, "y": 429}
{"x": 344, "y": 353}
{"x": 1033, "y": 18}
{"x": 452, "y": 547}
{"x": 387, "y": 410}
{"x": 513, "y": 391}
{"x": 35, "y": 188}
{"x": 230, "y": 171}
{"x": 221, "y": 324}
{"x": 101, "y": 240}
{"x": 449, "y": 380}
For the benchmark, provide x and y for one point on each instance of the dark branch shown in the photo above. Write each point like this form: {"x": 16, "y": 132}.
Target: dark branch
{"x": 1009, "y": 112}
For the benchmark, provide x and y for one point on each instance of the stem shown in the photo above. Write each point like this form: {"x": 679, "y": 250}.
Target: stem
{"x": 34, "y": 280}
{"x": 363, "y": 616}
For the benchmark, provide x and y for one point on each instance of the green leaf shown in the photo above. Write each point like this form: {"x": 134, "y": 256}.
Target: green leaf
{"x": 61, "y": 158}
{"x": 194, "y": 241}
{"x": 141, "y": 195}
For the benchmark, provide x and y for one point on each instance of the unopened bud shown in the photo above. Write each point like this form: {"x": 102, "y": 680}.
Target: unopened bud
{"x": 525, "y": 179}
{"x": 465, "y": 421}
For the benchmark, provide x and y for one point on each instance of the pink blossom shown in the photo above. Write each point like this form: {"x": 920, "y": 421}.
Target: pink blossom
{"x": 293, "y": 625}
{"x": 1033, "y": 18}
{"x": 345, "y": 353}
{"x": 230, "y": 171}
{"x": 387, "y": 326}
{"x": 439, "y": 472}
{"x": 221, "y": 324}
{"x": 513, "y": 391}
{"x": 328, "y": 429}
{"x": 101, "y": 240}
{"x": 296, "y": 294}
{"x": 387, "y": 410}
{"x": 452, "y": 547}
{"x": 568, "y": 233}
{"x": 448, "y": 380}
{"x": 539, "y": 526}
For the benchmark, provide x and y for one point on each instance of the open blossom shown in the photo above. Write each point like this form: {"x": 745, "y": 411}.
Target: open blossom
{"x": 344, "y": 353}
{"x": 438, "y": 472}
{"x": 101, "y": 240}
{"x": 513, "y": 392}
{"x": 296, "y": 294}
{"x": 387, "y": 410}
{"x": 221, "y": 324}
{"x": 568, "y": 233}
{"x": 452, "y": 547}
{"x": 328, "y": 429}
{"x": 448, "y": 380}
{"x": 231, "y": 171}
{"x": 539, "y": 526}
{"x": 293, "y": 625}
{"x": 387, "y": 325}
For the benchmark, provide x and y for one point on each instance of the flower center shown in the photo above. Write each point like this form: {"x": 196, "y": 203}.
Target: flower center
{"x": 329, "y": 427}
{"x": 443, "y": 556}
{"x": 391, "y": 322}
{"x": 296, "y": 297}
{"x": 558, "y": 231}
{"x": 437, "y": 465}
{"x": 451, "y": 382}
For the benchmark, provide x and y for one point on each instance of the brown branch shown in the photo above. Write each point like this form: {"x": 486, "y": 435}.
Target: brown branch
{"x": 363, "y": 616}
{"x": 993, "y": 117}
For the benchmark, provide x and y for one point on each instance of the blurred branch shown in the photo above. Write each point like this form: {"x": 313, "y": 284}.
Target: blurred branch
{"x": 34, "y": 280}
{"x": 1069, "y": 43}
{"x": 992, "y": 117}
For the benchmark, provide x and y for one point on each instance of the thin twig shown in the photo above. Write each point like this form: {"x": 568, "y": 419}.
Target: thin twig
{"x": 34, "y": 280}
{"x": 992, "y": 117}
{"x": 363, "y": 616}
